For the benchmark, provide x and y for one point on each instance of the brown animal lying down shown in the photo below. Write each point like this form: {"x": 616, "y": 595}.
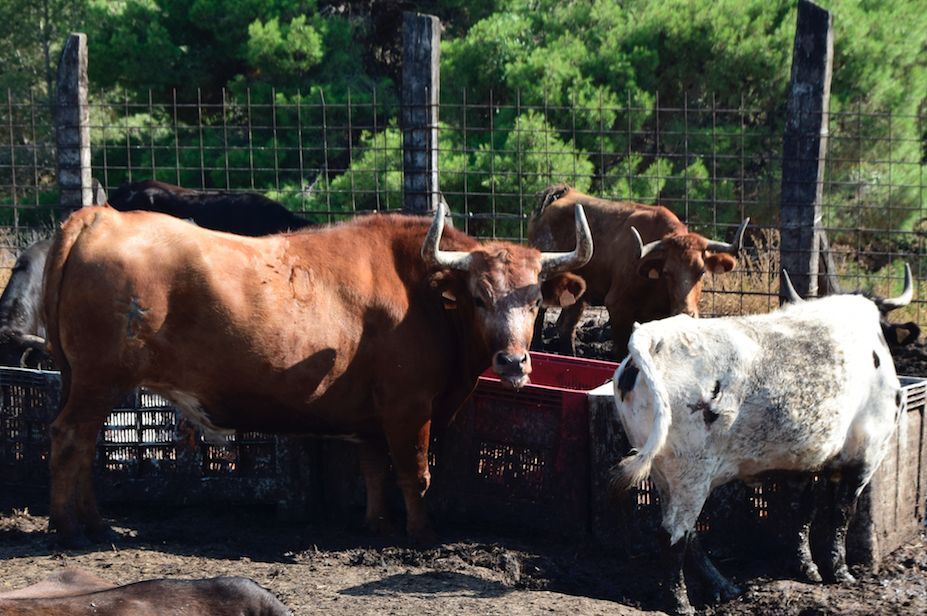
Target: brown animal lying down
{"x": 72, "y": 592}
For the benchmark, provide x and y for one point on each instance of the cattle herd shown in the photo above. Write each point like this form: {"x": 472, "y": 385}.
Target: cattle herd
{"x": 368, "y": 329}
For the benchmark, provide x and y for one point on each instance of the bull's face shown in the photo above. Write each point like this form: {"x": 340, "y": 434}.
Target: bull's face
{"x": 498, "y": 289}
{"x": 679, "y": 263}
{"x": 679, "y": 267}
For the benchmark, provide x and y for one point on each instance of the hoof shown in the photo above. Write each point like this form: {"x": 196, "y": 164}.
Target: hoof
{"x": 71, "y": 541}
{"x": 102, "y": 534}
{"x": 380, "y": 526}
{"x": 843, "y": 576}
{"x": 730, "y": 592}
{"x": 808, "y": 572}
{"x": 422, "y": 537}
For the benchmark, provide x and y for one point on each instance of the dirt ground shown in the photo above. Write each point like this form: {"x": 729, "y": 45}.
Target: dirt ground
{"x": 336, "y": 568}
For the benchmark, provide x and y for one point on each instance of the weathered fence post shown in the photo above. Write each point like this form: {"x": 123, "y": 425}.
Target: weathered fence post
{"x": 72, "y": 125}
{"x": 804, "y": 147}
{"x": 421, "y": 40}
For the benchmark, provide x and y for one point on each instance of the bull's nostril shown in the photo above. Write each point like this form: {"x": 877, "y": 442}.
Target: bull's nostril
{"x": 523, "y": 359}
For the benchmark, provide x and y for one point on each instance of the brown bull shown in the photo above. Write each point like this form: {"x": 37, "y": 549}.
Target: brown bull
{"x": 634, "y": 281}
{"x": 357, "y": 330}
{"x": 73, "y": 592}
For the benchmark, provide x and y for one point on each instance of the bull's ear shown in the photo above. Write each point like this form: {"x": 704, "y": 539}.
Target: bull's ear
{"x": 449, "y": 286}
{"x": 563, "y": 290}
{"x": 719, "y": 263}
{"x": 902, "y": 334}
{"x": 651, "y": 268}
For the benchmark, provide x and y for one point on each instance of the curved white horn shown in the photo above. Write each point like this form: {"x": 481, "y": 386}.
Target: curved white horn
{"x": 552, "y": 262}
{"x": 891, "y": 303}
{"x": 644, "y": 249}
{"x": 790, "y": 291}
{"x": 31, "y": 341}
{"x": 735, "y": 246}
{"x": 434, "y": 256}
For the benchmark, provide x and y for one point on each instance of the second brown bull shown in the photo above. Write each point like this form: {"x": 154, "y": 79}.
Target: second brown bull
{"x": 638, "y": 278}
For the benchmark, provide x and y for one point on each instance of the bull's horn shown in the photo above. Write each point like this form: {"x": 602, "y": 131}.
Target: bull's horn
{"x": 32, "y": 341}
{"x": 434, "y": 256}
{"x": 891, "y": 303}
{"x": 735, "y": 246}
{"x": 644, "y": 249}
{"x": 790, "y": 291}
{"x": 552, "y": 262}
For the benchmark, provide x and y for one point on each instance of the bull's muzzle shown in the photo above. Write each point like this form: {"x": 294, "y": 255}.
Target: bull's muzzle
{"x": 514, "y": 368}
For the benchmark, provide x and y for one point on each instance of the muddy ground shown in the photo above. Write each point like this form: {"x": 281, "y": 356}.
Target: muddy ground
{"x": 336, "y": 568}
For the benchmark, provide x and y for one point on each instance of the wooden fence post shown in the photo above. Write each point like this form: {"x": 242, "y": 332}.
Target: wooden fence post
{"x": 804, "y": 147}
{"x": 421, "y": 41}
{"x": 72, "y": 125}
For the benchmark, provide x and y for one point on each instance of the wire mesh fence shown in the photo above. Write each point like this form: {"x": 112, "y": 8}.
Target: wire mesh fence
{"x": 338, "y": 157}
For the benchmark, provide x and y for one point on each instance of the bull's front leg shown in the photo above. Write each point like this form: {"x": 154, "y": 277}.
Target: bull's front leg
{"x": 720, "y": 587}
{"x": 408, "y": 446}
{"x": 566, "y": 327}
{"x": 537, "y": 341}
{"x": 622, "y": 323}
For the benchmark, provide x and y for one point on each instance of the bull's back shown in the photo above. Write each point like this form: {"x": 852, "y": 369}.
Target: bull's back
{"x": 786, "y": 388}
{"x": 226, "y": 321}
{"x": 613, "y": 266}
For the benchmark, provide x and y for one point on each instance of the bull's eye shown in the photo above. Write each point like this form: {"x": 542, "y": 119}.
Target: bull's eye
{"x": 538, "y": 302}
{"x": 478, "y": 302}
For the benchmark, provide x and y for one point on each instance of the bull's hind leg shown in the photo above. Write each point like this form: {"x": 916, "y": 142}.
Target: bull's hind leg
{"x": 73, "y": 512}
{"x": 845, "y": 488}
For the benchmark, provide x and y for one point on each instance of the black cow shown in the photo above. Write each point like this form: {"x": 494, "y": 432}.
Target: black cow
{"x": 241, "y": 213}
{"x": 22, "y": 326}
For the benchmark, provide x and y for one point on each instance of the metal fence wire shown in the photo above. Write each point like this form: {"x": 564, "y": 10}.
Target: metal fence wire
{"x": 340, "y": 156}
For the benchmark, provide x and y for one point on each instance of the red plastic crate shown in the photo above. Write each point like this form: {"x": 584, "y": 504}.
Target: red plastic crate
{"x": 523, "y": 456}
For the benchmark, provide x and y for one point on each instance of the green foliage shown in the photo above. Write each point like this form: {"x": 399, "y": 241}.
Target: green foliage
{"x": 280, "y": 51}
{"x": 573, "y": 87}
{"x": 32, "y": 33}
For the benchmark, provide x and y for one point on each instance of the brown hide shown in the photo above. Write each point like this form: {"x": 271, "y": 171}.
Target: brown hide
{"x": 337, "y": 331}
{"x": 225, "y": 596}
{"x": 62, "y": 583}
{"x": 665, "y": 283}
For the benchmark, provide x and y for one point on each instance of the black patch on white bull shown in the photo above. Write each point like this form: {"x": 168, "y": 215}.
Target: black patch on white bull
{"x": 627, "y": 379}
{"x": 875, "y": 359}
{"x": 716, "y": 390}
{"x": 898, "y": 398}
{"x": 708, "y": 414}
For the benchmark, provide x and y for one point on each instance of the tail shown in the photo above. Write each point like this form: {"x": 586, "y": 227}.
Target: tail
{"x": 636, "y": 467}
{"x": 549, "y": 195}
{"x": 54, "y": 275}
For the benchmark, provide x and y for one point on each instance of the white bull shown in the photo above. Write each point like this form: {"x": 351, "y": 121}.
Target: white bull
{"x": 810, "y": 388}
